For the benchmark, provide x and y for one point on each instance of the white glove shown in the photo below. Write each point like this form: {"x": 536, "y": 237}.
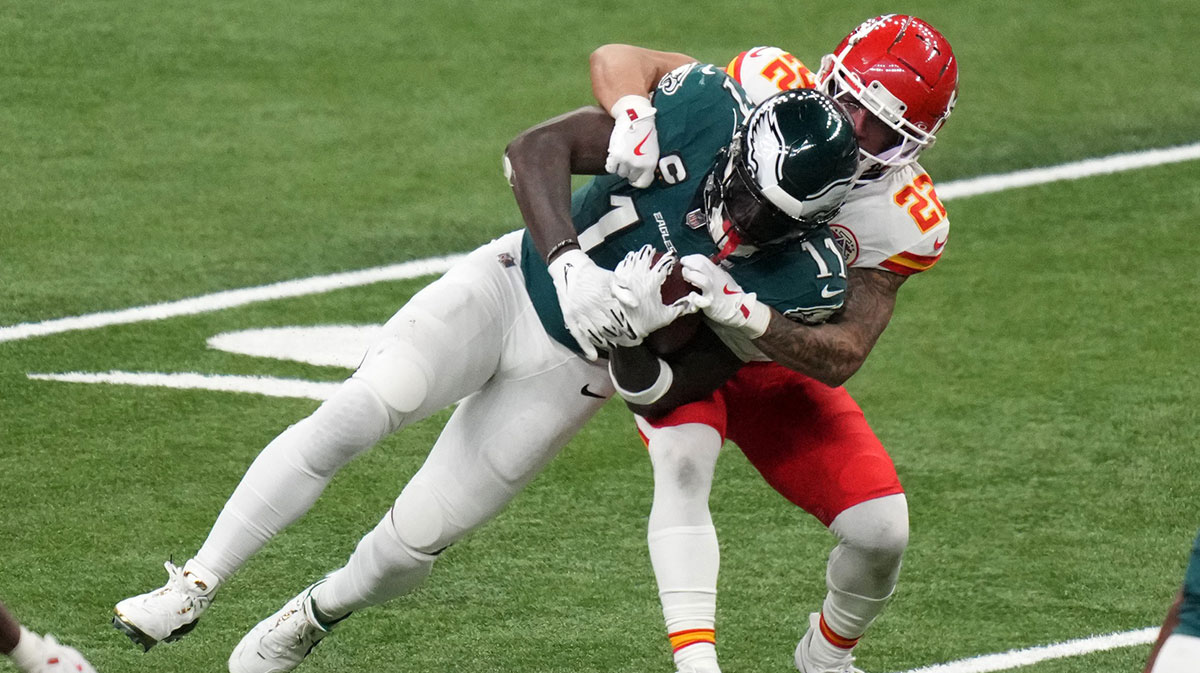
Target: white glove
{"x": 592, "y": 313}
{"x": 44, "y": 654}
{"x": 722, "y": 299}
{"x": 633, "y": 145}
{"x": 639, "y": 282}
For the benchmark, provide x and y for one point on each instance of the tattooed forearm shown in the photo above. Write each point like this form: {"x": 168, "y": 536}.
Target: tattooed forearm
{"x": 833, "y": 351}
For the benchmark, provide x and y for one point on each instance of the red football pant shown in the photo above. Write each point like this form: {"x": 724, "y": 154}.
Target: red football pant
{"x": 809, "y": 441}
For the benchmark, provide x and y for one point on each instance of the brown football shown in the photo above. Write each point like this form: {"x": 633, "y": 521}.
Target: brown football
{"x": 676, "y": 335}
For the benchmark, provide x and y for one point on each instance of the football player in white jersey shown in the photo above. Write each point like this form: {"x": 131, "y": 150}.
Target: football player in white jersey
{"x": 896, "y": 77}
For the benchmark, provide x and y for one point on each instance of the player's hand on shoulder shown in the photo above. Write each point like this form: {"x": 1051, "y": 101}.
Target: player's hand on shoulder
{"x": 638, "y": 285}
{"x": 633, "y": 145}
{"x": 722, "y": 299}
{"x": 592, "y": 313}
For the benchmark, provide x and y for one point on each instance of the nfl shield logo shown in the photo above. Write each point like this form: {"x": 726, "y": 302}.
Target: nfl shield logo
{"x": 695, "y": 219}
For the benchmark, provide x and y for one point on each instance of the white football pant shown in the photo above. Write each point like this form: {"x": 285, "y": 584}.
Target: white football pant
{"x": 471, "y": 334}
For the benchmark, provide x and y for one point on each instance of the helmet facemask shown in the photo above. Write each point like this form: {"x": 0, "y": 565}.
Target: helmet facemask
{"x": 839, "y": 83}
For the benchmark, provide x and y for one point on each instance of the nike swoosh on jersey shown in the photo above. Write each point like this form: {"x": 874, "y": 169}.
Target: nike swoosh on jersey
{"x": 826, "y": 293}
{"x": 586, "y": 392}
{"x": 637, "y": 151}
{"x": 937, "y": 245}
{"x": 726, "y": 290}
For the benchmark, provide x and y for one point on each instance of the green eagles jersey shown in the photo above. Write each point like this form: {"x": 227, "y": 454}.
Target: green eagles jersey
{"x": 699, "y": 110}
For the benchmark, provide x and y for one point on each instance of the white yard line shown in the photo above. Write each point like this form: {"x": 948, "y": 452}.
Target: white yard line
{"x": 1005, "y": 661}
{"x": 231, "y": 298}
{"x": 261, "y": 385}
{"x": 1116, "y": 163}
{"x": 318, "y": 284}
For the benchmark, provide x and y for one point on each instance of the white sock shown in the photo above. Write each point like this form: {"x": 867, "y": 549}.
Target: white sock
{"x": 846, "y": 618}
{"x": 848, "y": 615}
{"x": 290, "y": 473}
{"x": 686, "y": 561}
{"x": 683, "y": 542}
{"x": 861, "y": 575}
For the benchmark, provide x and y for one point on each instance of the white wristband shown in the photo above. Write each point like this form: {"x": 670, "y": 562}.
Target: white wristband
{"x": 650, "y": 395}
{"x": 758, "y": 320}
{"x": 639, "y": 105}
{"x": 574, "y": 255}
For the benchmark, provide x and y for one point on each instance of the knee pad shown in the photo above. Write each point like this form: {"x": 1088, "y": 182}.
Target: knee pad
{"x": 873, "y": 536}
{"x": 876, "y": 527}
{"x": 418, "y": 520}
{"x": 397, "y": 373}
{"x": 685, "y": 456}
{"x": 351, "y": 421}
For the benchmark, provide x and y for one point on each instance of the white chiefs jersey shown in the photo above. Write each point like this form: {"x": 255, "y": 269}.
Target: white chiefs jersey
{"x": 895, "y": 223}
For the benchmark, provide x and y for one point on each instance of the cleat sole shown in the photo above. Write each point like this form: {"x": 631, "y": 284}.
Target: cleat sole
{"x": 181, "y": 631}
{"x": 134, "y": 633}
{"x": 140, "y": 637}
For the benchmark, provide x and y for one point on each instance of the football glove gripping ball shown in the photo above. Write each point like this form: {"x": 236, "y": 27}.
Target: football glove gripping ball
{"x": 639, "y": 279}
{"x": 591, "y": 311}
{"x": 722, "y": 299}
{"x": 633, "y": 145}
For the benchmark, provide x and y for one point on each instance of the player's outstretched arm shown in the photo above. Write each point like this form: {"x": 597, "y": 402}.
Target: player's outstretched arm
{"x": 621, "y": 70}
{"x": 831, "y": 352}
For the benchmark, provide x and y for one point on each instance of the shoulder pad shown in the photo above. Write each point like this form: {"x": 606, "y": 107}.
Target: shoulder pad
{"x": 765, "y": 71}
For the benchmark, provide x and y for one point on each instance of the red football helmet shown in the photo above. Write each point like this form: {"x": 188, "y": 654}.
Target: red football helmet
{"x": 904, "y": 72}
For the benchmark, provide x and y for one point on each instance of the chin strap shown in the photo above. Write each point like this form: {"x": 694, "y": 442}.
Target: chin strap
{"x": 729, "y": 242}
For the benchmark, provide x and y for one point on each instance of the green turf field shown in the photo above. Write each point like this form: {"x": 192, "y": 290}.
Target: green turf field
{"x": 1037, "y": 389}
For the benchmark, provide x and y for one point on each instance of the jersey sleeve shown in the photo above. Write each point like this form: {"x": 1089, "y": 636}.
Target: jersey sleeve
{"x": 896, "y": 224}
{"x": 765, "y": 71}
{"x": 699, "y": 109}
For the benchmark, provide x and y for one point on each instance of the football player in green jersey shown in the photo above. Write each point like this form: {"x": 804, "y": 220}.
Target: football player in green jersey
{"x": 513, "y": 332}
{"x": 1177, "y": 649}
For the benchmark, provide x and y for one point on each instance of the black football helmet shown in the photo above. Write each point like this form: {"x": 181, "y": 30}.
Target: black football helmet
{"x": 788, "y": 170}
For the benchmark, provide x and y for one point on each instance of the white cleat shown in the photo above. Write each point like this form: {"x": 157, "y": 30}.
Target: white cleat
{"x": 280, "y": 642}
{"x": 803, "y": 662}
{"x": 170, "y": 612}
